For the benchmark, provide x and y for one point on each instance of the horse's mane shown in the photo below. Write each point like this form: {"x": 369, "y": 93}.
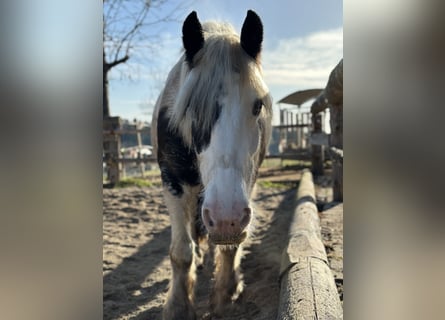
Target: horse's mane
{"x": 196, "y": 105}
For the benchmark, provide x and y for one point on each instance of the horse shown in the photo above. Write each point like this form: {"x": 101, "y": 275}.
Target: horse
{"x": 210, "y": 130}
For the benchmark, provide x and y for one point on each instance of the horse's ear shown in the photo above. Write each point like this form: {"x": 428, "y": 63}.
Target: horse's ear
{"x": 252, "y": 34}
{"x": 192, "y": 36}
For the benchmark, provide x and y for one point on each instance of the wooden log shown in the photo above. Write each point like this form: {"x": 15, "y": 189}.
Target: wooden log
{"x": 336, "y": 123}
{"x": 308, "y": 289}
{"x": 337, "y": 173}
{"x": 337, "y": 180}
{"x": 336, "y": 140}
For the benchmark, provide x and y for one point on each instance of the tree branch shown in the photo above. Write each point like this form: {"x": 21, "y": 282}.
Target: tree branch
{"x": 108, "y": 66}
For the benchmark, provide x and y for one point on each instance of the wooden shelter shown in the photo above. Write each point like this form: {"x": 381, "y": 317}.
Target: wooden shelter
{"x": 311, "y": 124}
{"x": 294, "y": 126}
{"x": 299, "y": 97}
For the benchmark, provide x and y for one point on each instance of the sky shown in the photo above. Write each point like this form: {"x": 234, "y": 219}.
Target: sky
{"x": 303, "y": 42}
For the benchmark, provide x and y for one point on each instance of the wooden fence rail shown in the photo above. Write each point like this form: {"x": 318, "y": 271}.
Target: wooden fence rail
{"x": 308, "y": 289}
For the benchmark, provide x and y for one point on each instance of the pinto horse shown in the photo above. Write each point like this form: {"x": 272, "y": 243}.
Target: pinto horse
{"x": 210, "y": 129}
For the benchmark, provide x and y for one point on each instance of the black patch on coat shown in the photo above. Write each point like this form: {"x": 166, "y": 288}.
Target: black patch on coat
{"x": 201, "y": 136}
{"x": 178, "y": 162}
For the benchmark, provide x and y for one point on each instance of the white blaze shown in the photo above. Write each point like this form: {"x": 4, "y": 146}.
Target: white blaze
{"x": 226, "y": 164}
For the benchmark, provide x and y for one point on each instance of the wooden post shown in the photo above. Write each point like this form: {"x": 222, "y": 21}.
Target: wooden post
{"x": 123, "y": 167}
{"x": 304, "y": 130}
{"x": 317, "y": 150}
{"x": 308, "y": 289}
{"x": 336, "y": 141}
{"x": 285, "y": 123}
{"x": 299, "y": 122}
{"x": 281, "y": 123}
{"x": 323, "y": 119}
{"x": 292, "y": 129}
{"x": 112, "y": 146}
{"x": 138, "y": 135}
{"x": 334, "y": 94}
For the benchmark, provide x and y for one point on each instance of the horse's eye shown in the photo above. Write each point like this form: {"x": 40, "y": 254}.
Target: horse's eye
{"x": 258, "y": 104}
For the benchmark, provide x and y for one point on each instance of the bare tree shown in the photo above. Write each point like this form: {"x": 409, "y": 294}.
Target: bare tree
{"x": 128, "y": 26}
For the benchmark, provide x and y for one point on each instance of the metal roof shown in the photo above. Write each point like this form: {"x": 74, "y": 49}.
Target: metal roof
{"x": 300, "y": 97}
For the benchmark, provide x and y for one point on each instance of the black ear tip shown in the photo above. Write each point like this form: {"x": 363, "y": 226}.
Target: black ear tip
{"x": 193, "y": 16}
{"x": 254, "y": 19}
{"x": 252, "y": 14}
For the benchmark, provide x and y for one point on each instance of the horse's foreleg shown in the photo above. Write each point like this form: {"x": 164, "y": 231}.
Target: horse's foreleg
{"x": 228, "y": 278}
{"x": 179, "y": 303}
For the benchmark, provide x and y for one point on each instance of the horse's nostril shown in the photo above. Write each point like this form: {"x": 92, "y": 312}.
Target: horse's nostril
{"x": 232, "y": 224}
{"x": 211, "y": 222}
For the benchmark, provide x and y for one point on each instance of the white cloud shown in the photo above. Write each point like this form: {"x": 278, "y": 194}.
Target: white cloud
{"x": 304, "y": 62}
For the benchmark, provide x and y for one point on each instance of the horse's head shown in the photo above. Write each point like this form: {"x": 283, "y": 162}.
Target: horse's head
{"x": 224, "y": 113}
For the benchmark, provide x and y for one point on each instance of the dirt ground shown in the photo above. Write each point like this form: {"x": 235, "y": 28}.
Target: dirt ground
{"x": 136, "y": 237}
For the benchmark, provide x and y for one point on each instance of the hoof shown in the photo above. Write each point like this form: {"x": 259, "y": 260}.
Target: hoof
{"x": 221, "y": 302}
{"x": 178, "y": 312}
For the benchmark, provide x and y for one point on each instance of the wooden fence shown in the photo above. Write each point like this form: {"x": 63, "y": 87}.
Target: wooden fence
{"x": 113, "y": 159}
{"x": 294, "y": 129}
{"x": 293, "y": 132}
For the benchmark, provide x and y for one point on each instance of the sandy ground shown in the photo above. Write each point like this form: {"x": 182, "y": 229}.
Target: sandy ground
{"x": 136, "y": 237}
